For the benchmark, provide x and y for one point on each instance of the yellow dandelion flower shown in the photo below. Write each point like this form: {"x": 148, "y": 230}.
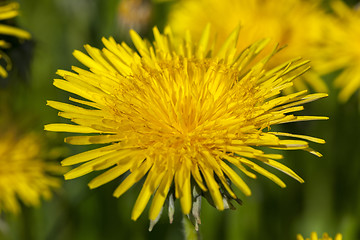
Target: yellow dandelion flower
{"x": 343, "y": 50}
{"x": 314, "y": 236}
{"x": 300, "y": 25}
{"x": 177, "y": 113}
{"x": 24, "y": 175}
{"x": 9, "y": 11}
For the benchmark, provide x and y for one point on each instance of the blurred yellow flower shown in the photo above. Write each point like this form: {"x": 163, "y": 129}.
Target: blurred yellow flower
{"x": 314, "y": 236}
{"x": 301, "y": 25}
{"x": 24, "y": 175}
{"x": 9, "y": 11}
{"x": 177, "y": 112}
{"x": 343, "y": 50}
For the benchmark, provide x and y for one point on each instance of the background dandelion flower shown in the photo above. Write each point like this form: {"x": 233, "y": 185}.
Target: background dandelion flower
{"x": 176, "y": 113}
{"x": 342, "y": 50}
{"x": 9, "y": 11}
{"x": 300, "y": 25}
{"x": 314, "y": 236}
{"x": 24, "y": 175}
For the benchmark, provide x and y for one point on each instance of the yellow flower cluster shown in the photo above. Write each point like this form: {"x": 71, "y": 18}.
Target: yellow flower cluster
{"x": 342, "y": 51}
{"x": 329, "y": 40}
{"x": 298, "y": 25}
{"x": 314, "y": 236}
{"x": 177, "y": 112}
{"x": 24, "y": 175}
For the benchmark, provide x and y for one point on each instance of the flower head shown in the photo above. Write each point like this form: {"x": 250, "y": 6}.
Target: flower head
{"x": 9, "y": 11}
{"x": 178, "y": 114}
{"x": 314, "y": 236}
{"x": 24, "y": 175}
{"x": 300, "y": 25}
{"x": 342, "y": 50}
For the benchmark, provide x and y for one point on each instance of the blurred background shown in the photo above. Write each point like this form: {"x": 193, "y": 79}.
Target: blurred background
{"x": 328, "y": 201}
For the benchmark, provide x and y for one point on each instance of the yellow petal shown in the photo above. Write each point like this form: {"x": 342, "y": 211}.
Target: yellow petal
{"x": 197, "y": 176}
{"x": 108, "y": 176}
{"x": 62, "y": 127}
{"x": 299, "y": 237}
{"x": 213, "y": 187}
{"x": 72, "y": 88}
{"x": 284, "y": 169}
{"x": 86, "y": 60}
{"x": 139, "y": 42}
{"x": 13, "y": 31}
{"x": 133, "y": 178}
{"x": 312, "y": 139}
{"x": 160, "y": 195}
{"x": 86, "y": 156}
{"x": 203, "y": 42}
{"x": 236, "y": 179}
{"x": 264, "y": 172}
{"x": 186, "y": 196}
{"x": 151, "y": 183}
{"x": 74, "y": 109}
{"x": 99, "y": 139}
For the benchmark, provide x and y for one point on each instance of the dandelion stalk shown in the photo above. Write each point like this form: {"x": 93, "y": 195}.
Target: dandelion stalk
{"x": 189, "y": 231}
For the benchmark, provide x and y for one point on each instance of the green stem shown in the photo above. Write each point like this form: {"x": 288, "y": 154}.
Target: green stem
{"x": 189, "y": 230}
{"x": 4, "y": 227}
{"x": 26, "y": 224}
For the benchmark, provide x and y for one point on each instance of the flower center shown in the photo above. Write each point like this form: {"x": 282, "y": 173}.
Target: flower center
{"x": 183, "y": 105}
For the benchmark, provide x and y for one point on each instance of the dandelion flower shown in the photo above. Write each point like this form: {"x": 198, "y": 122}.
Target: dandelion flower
{"x": 343, "y": 50}
{"x": 314, "y": 236}
{"x": 178, "y": 114}
{"x": 300, "y": 25}
{"x": 24, "y": 176}
{"x": 9, "y": 11}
